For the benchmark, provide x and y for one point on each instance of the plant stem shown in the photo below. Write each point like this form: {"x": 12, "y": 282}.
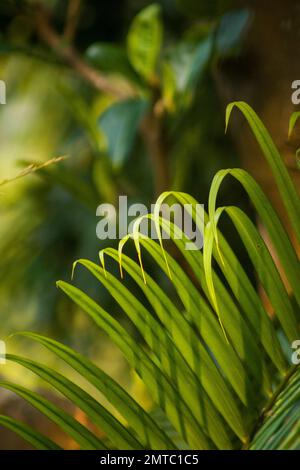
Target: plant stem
{"x": 152, "y": 130}
{"x": 266, "y": 410}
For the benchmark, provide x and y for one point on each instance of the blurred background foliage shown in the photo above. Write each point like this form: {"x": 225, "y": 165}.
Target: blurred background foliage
{"x": 157, "y": 124}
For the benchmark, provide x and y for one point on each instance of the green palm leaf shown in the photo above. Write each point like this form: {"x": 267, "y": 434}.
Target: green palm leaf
{"x": 210, "y": 356}
{"x": 34, "y": 438}
{"x": 85, "y": 438}
{"x": 146, "y": 428}
{"x": 96, "y": 412}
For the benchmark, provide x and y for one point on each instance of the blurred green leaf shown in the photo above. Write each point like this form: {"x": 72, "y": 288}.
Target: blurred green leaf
{"x": 231, "y": 29}
{"x": 199, "y": 63}
{"x": 120, "y": 124}
{"x": 281, "y": 418}
{"x": 144, "y": 42}
{"x": 185, "y": 67}
{"x": 110, "y": 58}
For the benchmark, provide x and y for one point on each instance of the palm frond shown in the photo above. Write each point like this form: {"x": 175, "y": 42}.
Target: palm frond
{"x": 210, "y": 356}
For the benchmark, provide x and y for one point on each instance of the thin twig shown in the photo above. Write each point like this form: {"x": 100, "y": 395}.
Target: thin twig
{"x": 32, "y": 168}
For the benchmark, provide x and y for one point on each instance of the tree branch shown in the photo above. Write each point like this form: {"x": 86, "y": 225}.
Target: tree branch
{"x": 73, "y": 14}
{"x": 71, "y": 57}
{"x": 153, "y": 133}
{"x": 152, "y": 128}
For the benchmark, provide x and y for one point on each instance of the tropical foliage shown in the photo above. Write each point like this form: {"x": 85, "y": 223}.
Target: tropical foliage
{"x": 138, "y": 135}
{"x": 216, "y": 365}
